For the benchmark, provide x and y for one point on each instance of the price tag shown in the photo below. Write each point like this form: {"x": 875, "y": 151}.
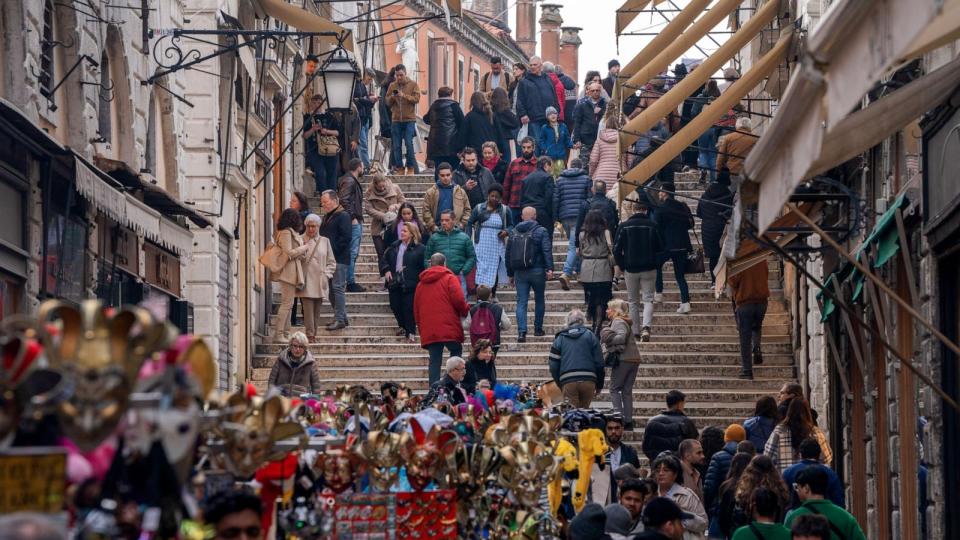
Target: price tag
{"x": 33, "y": 480}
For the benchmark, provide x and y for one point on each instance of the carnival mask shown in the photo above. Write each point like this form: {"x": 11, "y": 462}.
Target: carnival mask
{"x": 338, "y": 468}
{"x": 471, "y": 466}
{"x": 381, "y": 451}
{"x": 99, "y": 353}
{"x": 250, "y": 428}
{"x": 425, "y": 452}
{"x": 18, "y": 351}
{"x": 525, "y": 467}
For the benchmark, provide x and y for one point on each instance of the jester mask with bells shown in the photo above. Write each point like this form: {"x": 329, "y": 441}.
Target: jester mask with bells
{"x": 425, "y": 452}
{"x": 249, "y": 428}
{"x": 381, "y": 452}
{"x": 25, "y": 391}
{"x": 184, "y": 376}
{"x": 471, "y": 467}
{"x": 99, "y": 353}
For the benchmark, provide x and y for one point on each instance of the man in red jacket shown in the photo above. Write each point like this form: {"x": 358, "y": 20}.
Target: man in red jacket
{"x": 439, "y": 307}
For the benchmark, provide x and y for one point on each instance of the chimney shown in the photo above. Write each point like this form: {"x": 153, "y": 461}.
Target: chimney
{"x": 495, "y": 9}
{"x": 526, "y": 23}
{"x": 550, "y": 21}
{"x": 570, "y": 51}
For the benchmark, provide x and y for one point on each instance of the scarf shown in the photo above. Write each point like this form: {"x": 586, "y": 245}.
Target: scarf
{"x": 400, "y": 252}
{"x": 490, "y": 164}
{"x": 446, "y": 197}
{"x": 387, "y": 185}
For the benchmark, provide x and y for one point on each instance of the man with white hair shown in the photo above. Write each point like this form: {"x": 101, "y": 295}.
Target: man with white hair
{"x": 576, "y": 362}
{"x": 448, "y": 388}
{"x": 535, "y": 93}
{"x": 734, "y": 147}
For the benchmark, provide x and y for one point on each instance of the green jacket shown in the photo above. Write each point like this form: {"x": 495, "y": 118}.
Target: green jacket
{"x": 770, "y": 531}
{"x": 456, "y": 246}
{"x": 840, "y": 518}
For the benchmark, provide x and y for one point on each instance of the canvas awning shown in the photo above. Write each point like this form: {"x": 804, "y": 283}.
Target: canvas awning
{"x": 699, "y": 29}
{"x": 710, "y": 114}
{"x": 629, "y": 11}
{"x": 672, "y": 31}
{"x": 306, "y": 21}
{"x": 846, "y": 55}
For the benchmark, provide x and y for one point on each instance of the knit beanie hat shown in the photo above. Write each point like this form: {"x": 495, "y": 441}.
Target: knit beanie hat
{"x": 735, "y": 433}
{"x": 618, "y": 519}
{"x": 551, "y": 110}
{"x": 589, "y": 524}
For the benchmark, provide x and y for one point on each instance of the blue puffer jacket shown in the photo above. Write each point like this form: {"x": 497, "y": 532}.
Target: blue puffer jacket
{"x": 717, "y": 473}
{"x": 758, "y": 430}
{"x": 573, "y": 187}
{"x": 575, "y": 356}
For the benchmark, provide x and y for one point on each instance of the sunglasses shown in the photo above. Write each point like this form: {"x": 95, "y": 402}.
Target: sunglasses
{"x": 235, "y": 532}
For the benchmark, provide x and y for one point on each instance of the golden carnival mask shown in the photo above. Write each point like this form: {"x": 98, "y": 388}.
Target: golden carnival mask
{"x": 250, "y": 426}
{"x": 99, "y": 353}
{"x": 425, "y": 452}
{"x": 381, "y": 451}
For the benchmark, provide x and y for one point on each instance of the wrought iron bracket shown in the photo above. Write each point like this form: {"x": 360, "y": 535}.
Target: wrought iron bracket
{"x": 172, "y": 55}
{"x": 53, "y": 91}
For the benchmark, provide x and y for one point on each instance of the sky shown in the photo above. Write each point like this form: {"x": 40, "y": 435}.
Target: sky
{"x": 597, "y": 18}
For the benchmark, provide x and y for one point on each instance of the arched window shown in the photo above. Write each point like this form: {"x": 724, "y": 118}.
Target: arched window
{"x": 161, "y": 144}
{"x": 104, "y": 120}
{"x": 47, "y": 51}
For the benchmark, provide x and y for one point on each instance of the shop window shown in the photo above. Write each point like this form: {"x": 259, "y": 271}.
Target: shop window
{"x": 65, "y": 244}
{"x": 47, "y": 51}
{"x": 11, "y": 295}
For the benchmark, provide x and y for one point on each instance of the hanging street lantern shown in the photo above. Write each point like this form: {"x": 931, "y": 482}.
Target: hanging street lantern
{"x": 339, "y": 77}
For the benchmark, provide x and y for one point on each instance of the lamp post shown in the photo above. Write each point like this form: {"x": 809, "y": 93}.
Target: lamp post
{"x": 339, "y": 78}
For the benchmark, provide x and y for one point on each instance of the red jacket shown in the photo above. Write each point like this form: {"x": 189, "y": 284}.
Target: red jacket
{"x": 439, "y": 306}
{"x": 561, "y": 94}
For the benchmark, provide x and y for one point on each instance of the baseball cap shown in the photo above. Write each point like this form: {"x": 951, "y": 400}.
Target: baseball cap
{"x": 660, "y": 510}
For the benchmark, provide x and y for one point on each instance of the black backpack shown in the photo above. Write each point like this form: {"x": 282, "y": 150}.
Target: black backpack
{"x": 523, "y": 250}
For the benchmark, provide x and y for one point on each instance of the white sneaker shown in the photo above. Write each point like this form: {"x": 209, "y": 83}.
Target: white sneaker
{"x": 684, "y": 308}
{"x": 658, "y": 297}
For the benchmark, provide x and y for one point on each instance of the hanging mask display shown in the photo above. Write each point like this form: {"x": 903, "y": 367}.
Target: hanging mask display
{"x": 249, "y": 428}
{"x": 99, "y": 352}
{"x": 425, "y": 453}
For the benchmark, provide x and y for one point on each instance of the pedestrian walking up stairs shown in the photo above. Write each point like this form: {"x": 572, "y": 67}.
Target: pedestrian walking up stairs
{"x": 697, "y": 353}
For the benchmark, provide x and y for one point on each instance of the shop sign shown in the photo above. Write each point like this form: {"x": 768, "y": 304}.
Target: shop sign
{"x": 118, "y": 245}
{"x": 162, "y": 268}
{"x": 33, "y": 480}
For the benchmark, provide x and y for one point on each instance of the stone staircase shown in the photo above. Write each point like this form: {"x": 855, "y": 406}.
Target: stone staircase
{"x": 697, "y": 353}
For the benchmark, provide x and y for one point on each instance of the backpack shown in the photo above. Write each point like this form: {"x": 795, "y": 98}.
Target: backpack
{"x": 483, "y": 325}
{"x": 523, "y": 250}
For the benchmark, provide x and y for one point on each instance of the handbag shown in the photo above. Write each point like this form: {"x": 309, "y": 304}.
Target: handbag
{"x": 328, "y": 145}
{"x": 695, "y": 258}
{"x": 611, "y": 360}
{"x": 274, "y": 259}
{"x": 313, "y": 252}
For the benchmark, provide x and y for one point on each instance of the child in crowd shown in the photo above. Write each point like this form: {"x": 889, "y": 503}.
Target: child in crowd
{"x": 554, "y": 141}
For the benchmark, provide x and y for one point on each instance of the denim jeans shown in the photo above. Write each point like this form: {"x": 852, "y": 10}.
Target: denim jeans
{"x": 533, "y": 130}
{"x": 536, "y": 279}
{"x": 324, "y": 171}
{"x": 338, "y": 289}
{"x": 402, "y": 134}
{"x": 640, "y": 286}
{"x": 364, "y": 142}
{"x": 435, "y": 351}
{"x": 572, "y": 264}
{"x": 354, "y": 252}
{"x": 679, "y": 258}
{"x": 750, "y": 327}
{"x": 707, "y": 154}
{"x": 463, "y": 283}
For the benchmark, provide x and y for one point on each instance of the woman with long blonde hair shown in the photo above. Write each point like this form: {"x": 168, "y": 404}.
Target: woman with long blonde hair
{"x": 622, "y": 356}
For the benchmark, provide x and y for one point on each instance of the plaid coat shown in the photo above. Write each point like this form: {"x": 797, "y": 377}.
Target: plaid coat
{"x": 780, "y": 448}
{"x": 513, "y": 180}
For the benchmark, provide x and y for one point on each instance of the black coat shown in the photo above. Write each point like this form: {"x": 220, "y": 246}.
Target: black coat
{"x": 499, "y": 171}
{"x": 446, "y": 386}
{"x": 674, "y": 220}
{"x": 536, "y": 190}
{"x": 326, "y": 119}
{"x": 385, "y": 117}
{"x": 504, "y": 122}
{"x": 606, "y": 207}
{"x": 534, "y": 95}
{"x": 477, "y": 129}
{"x": 338, "y": 228}
{"x": 361, "y": 98}
{"x": 714, "y": 217}
{"x": 477, "y": 370}
{"x": 586, "y": 122}
{"x": 412, "y": 263}
{"x": 637, "y": 244}
{"x": 665, "y": 431}
{"x": 445, "y": 119}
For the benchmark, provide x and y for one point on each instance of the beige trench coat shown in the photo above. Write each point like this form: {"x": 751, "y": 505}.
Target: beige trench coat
{"x": 317, "y": 270}
{"x": 290, "y": 242}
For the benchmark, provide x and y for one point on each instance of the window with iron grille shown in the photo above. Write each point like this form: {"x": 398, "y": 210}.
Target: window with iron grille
{"x": 47, "y": 51}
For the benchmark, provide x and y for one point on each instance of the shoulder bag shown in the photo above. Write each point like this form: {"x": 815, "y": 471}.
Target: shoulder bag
{"x": 695, "y": 257}
{"x": 274, "y": 259}
{"x": 316, "y": 244}
{"x": 328, "y": 145}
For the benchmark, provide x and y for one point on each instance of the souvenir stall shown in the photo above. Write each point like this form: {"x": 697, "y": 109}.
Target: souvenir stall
{"x": 109, "y": 421}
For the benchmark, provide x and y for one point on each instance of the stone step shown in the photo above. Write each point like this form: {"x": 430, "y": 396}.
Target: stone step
{"x": 758, "y": 386}
{"x": 662, "y": 321}
{"x": 575, "y": 294}
{"x": 665, "y": 352}
{"x": 719, "y": 307}
{"x": 659, "y": 340}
